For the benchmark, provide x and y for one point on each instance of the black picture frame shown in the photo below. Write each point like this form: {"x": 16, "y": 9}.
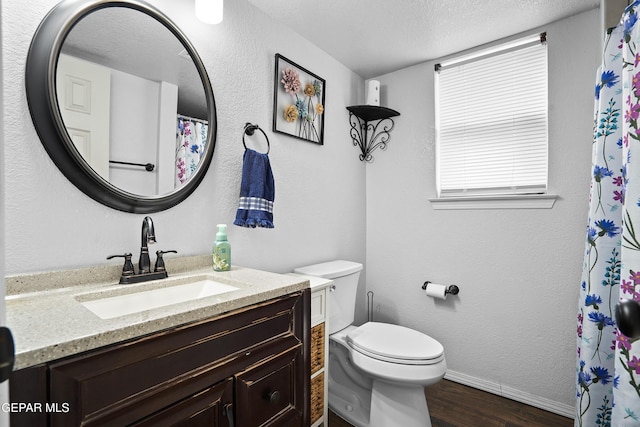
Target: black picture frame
{"x": 298, "y": 101}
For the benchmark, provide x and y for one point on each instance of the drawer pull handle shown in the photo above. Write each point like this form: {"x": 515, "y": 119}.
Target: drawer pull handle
{"x": 228, "y": 411}
{"x": 273, "y": 397}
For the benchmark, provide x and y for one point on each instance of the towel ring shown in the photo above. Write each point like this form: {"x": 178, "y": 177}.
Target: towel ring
{"x": 249, "y": 129}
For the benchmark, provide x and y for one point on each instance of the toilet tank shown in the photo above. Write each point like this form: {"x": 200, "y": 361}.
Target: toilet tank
{"x": 342, "y": 298}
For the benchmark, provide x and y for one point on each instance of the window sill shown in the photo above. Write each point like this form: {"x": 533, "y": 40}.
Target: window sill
{"x": 524, "y": 201}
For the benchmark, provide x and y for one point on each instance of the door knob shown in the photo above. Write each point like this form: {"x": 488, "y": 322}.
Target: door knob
{"x": 628, "y": 318}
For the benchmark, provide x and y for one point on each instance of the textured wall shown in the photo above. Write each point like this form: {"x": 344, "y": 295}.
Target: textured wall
{"x": 514, "y": 322}
{"x": 320, "y": 198}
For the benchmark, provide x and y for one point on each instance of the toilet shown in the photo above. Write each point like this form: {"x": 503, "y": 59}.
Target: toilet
{"x": 377, "y": 371}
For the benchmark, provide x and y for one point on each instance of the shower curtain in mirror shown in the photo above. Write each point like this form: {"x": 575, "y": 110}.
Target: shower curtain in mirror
{"x": 191, "y": 137}
{"x": 608, "y": 363}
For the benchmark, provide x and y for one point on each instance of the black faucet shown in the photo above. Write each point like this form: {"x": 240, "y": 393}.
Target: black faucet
{"x": 148, "y": 236}
{"x": 144, "y": 264}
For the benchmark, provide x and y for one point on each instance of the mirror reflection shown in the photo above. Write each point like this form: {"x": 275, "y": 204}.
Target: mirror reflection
{"x": 132, "y": 101}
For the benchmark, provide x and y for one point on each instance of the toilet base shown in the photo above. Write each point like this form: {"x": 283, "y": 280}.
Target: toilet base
{"x": 393, "y": 405}
{"x": 349, "y": 391}
{"x": 356, "y": 415}
{"x": 390, "y": 406}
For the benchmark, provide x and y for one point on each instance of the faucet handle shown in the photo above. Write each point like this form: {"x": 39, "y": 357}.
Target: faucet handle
{"x": 160, "y": 261}
{"x": 127, "y": 268}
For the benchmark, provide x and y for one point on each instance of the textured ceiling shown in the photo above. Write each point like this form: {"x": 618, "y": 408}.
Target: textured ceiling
{"x": 374, "y": 37}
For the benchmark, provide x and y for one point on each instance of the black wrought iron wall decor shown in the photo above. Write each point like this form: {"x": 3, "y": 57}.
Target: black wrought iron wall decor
{"x": 370, "y": 128}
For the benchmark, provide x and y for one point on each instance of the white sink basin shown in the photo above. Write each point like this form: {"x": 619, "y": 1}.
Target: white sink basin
{"x": 121, "y": 305}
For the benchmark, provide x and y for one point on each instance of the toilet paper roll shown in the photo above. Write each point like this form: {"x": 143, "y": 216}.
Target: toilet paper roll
{"x": 436, "y": 291}
{"x": 373, "y": 93}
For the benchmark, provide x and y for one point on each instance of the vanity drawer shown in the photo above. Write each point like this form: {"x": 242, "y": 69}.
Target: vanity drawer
{"x": 267, "y": 389}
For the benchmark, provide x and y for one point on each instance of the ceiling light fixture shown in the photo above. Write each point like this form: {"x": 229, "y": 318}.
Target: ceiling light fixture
{"x": 209, "y": 11}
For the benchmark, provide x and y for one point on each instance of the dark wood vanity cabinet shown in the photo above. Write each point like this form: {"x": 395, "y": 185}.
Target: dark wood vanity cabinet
{"x": 247, "y": 368}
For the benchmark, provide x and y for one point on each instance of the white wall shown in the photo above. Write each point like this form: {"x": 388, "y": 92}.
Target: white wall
{"x": 514, "y": 321}
{"x": 134, "y": 132}
{"x": 166, "y": 160}
{"x": 320, "y": 199}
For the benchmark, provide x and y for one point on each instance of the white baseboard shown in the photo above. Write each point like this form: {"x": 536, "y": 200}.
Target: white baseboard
{"x": 511, "y": 393}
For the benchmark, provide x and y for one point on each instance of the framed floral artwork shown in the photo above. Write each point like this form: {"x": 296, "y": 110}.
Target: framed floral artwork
{"x": 298, "y": 102}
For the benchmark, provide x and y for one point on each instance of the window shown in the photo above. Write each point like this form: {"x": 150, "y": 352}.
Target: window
{"x": 491, "y": 121}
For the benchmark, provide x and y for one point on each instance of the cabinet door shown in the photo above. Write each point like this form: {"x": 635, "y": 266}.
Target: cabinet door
{"x": 268, "y": 393}
{"x": 209, "y": 408}
{"x": 29, "y": 385}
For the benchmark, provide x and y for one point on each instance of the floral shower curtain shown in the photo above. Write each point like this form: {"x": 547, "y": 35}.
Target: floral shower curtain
{"x": 191, "y": 137}
{"x": 608, "y": 363}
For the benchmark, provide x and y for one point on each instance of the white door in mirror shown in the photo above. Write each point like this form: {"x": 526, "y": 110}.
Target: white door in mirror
{"x": 84, "y": 99}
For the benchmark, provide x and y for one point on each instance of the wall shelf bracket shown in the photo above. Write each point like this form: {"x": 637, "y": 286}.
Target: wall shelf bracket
{"x": 370, "y": 128}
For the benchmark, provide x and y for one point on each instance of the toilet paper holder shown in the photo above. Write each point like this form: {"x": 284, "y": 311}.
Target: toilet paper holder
{"x": 451, "y": 289}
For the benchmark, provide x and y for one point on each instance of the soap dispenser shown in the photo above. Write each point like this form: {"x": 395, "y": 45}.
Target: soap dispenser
{"x": 222, "y": 250}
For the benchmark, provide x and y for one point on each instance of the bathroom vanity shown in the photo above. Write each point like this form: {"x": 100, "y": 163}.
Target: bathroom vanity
{"x": 240, "y": 358}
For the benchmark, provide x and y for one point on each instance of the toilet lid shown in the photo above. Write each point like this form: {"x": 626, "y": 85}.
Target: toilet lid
{"x": 395, "y": 343}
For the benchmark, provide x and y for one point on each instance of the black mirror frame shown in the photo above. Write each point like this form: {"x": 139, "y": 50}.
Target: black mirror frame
{"x": 42, "y": 61}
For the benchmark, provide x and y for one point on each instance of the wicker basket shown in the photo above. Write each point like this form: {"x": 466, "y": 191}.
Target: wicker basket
{"x": 317, "y": 397}
{"x": 317, "y": 348}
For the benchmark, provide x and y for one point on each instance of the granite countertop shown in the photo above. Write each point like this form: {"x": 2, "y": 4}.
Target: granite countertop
{"x": 48, "y": 321}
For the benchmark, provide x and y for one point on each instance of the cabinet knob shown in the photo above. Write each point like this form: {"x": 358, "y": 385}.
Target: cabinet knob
{"x": 332, "y": 288}
{"x": 273, "y": 397}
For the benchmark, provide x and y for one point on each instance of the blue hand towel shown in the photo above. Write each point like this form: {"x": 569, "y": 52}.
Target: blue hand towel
{"x": 257, "y": 191}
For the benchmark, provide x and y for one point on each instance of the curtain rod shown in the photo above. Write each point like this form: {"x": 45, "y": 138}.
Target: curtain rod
{"x": 195, "y": 119}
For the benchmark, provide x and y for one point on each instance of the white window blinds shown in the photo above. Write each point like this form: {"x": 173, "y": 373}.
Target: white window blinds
{"x": 491, "y": 121}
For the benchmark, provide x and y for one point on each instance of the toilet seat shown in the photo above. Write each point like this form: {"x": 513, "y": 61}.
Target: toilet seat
{"x": 395, "y": 344}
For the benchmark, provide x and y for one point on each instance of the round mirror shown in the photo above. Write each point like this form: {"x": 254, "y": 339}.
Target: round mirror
{"x": 122, "y": 103}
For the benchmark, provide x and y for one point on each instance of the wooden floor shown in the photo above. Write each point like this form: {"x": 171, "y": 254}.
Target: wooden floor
{"x": 455, "y": 405}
